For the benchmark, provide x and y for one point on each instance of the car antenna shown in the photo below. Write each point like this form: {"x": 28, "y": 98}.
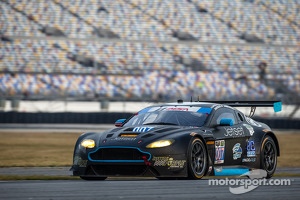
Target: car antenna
{"x": 191, "y": 99}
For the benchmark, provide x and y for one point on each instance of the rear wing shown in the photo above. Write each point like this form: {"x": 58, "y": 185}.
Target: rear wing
{"x": 277, "y": 105}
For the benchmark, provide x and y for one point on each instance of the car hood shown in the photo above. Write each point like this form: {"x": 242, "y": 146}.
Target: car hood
{"x": 142, "y": 134}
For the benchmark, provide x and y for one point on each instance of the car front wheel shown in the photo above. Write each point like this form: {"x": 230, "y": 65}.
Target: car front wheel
{"x": 197, "y": 159}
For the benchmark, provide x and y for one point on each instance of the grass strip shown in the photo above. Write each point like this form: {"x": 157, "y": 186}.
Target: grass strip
{"x": 36, "y": 177}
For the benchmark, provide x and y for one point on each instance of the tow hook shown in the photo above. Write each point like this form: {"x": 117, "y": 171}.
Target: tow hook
{"x": 146, "y": 161}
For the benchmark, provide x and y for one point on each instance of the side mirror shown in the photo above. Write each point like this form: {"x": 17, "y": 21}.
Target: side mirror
{"x": 226, "y": 122}
{"x": 119, "y": 122}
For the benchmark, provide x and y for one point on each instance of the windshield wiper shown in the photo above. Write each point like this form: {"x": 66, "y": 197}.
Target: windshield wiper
{"x": 160, "y": 123}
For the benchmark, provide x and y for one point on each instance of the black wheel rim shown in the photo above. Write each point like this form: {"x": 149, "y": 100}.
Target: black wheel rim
{"x": 198, "y": 158}
{"x": 269, "y": 156}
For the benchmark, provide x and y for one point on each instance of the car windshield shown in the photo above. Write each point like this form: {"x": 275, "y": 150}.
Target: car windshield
{"x": 180, "y": 118}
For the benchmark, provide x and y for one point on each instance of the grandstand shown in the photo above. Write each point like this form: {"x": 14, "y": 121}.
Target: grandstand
{"x": 150, "y": 50}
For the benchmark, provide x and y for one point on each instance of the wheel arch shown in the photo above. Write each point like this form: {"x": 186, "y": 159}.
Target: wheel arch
{"x": 209, "y": 151}
{"x": 202, "y": 139}
{"x": 190, "y": 174}
{"x": 272, "y": 135}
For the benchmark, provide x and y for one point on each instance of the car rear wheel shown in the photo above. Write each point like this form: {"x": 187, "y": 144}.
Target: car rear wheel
{"x": 197, "y": 159}
{"x": 268, "y": 156}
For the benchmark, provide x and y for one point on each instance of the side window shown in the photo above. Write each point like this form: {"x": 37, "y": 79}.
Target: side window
{"x": 240, "y": 117}
{"x": 223, "y": 113}
{"x": 226, "y": 115}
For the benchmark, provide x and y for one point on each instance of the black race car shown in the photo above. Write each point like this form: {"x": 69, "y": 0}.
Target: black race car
{"x": 182, "y": 139}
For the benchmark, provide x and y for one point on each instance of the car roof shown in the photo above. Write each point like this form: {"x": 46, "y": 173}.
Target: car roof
{"x": 207, "y": 104}
{"x": 196, "y": 104}
{"x": 206, "y": 107}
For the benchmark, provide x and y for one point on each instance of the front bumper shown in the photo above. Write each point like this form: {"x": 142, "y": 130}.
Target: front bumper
{"x": 129, "y": 161}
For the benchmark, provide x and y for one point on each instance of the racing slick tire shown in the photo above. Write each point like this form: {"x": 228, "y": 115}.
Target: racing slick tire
{"x": 197, "y": 159}
{"x": 268, "y": 154}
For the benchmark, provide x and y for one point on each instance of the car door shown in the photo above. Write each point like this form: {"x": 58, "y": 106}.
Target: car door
{"x": 229, "y": 137}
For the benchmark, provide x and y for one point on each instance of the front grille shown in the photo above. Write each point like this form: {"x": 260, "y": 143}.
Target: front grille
{"x": 119, "y": 154}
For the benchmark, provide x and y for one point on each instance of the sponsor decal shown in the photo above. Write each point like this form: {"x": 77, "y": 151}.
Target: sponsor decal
{"x": 252, "y": 122}
{"x": 142, "y": 129}
{"x": 251, "y": 149}
{"x": 248, "y": 159}
{"x": 218, "y": 169}
{"x": 250, "y": 128}
{"x": 216, "y": 106}
{"x": 232, "y": 132}
{"x": 78, "y": 161}
{"x": 160, "y": 161}
{"x": 176, "y": 163}
{"x": 124, "y": 139}
{"x": 168, "y": 162}
{"x": 220, "y": 151}
{"x": 177, "y": 109}
{"x": 237, "y": 151}
{"x": 184, "y": 108}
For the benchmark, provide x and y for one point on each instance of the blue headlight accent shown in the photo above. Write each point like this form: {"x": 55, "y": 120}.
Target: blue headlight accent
{"x": 277, "y": 106}
{"x": 204, "y": 110}
{"x": 119, "y": 161}
{"x": 231, "y": 171}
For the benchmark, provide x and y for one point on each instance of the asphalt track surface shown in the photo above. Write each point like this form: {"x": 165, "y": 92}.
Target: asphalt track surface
{"x": 138, "y": 189}
{"x": 132, "y": 188}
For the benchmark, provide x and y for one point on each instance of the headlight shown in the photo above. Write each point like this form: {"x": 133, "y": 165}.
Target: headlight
{"x": 160, "y": 143}
{"x": 88, "y": 143}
